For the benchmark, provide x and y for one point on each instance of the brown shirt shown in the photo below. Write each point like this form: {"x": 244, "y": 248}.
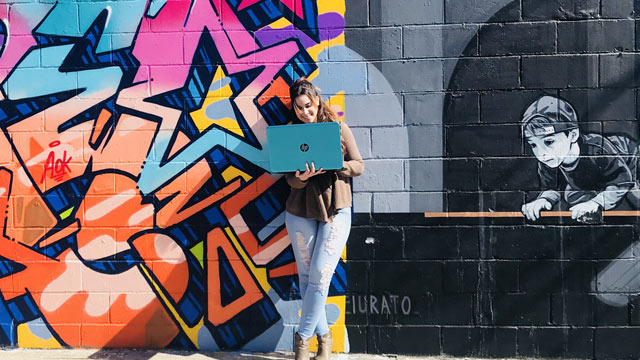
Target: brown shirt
{"x": 321, "y": 196}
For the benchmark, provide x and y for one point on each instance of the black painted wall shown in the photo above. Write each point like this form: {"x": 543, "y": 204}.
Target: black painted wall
{"x": 501, "y": 287}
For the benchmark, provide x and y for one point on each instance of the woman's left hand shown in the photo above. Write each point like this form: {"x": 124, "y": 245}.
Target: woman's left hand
{"x": 309, "y": 172}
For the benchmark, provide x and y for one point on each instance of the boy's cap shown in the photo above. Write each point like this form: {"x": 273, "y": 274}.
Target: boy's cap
{"x": 559, "y": 115}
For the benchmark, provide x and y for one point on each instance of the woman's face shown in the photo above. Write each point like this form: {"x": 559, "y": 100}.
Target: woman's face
{"x": 306, "y": 108}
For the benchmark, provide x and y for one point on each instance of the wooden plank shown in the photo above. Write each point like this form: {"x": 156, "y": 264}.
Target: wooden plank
{"x": 517, "y": 214}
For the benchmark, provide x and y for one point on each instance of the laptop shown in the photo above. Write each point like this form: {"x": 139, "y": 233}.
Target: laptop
{"x": 291, "y": 146}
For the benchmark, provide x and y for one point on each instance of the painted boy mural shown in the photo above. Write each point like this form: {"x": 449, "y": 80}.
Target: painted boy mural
{"x": 590, "y": 172}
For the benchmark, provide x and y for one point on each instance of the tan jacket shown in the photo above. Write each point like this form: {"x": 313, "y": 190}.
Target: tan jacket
{"x": 321, "y": 196}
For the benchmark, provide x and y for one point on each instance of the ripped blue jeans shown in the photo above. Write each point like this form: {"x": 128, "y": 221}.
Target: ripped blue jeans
{"x": 317, "y": 246}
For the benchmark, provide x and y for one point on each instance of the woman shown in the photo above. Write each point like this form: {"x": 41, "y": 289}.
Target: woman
{"x": 318, "y": 220}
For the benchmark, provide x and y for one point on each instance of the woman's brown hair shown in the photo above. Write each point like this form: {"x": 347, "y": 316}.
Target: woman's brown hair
{"x": 303, "y": 86}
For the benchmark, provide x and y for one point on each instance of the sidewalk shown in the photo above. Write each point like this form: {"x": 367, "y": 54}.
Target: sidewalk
{"x": 128, "y": 354}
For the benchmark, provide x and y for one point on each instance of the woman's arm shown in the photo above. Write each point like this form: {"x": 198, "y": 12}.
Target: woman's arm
{"x": 353, "y": 164}
{"x": 294, "y": 182}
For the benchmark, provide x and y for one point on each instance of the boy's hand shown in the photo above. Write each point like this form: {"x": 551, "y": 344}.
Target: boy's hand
{"x": 532, "y": 210}
{"x": 585, "y": 208}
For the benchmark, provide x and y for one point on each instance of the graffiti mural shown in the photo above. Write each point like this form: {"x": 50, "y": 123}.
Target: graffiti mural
{"x": 138, "y": 211}
{"x": 590, "y": 172}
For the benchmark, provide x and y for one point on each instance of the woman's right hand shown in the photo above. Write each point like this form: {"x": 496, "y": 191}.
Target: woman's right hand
{"x": 309, "y": 172}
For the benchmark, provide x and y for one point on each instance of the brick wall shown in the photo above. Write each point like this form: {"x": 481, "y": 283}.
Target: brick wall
{"x": 464, "y": 72}
{"x": 137, "y": 205}
{"x": 140, "y": 212}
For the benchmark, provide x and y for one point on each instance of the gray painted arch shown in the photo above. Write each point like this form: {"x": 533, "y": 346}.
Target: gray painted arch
{"x": 410, "y": 50}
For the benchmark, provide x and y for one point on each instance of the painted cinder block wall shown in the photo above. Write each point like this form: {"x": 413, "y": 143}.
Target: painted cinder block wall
{"x": 463, "y": 72}
{"x": 139, "y": 211}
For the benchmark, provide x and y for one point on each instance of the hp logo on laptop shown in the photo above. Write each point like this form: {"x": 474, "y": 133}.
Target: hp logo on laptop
{"x": 304, "y": 147}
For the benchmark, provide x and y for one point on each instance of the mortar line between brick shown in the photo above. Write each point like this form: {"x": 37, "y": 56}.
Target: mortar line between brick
{"x": 521, "y": 18}
{"x": 600, "y": 8}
